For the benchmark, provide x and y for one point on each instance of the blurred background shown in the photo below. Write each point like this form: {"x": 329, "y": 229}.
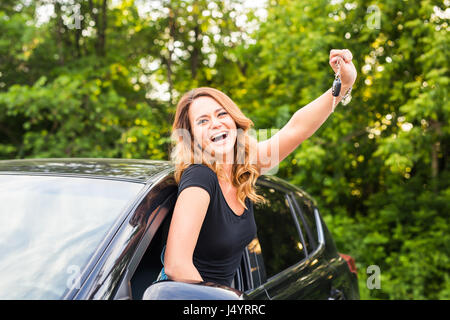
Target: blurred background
{"x": 101, "y": 78}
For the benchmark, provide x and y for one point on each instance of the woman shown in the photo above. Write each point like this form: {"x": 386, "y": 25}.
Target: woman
{"x": 216, "y": 166}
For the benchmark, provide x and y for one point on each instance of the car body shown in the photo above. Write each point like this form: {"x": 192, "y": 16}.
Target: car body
{"x": 94, "y": 229}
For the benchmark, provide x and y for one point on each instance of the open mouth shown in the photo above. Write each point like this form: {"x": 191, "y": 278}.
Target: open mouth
{"x": 219, "y": 137}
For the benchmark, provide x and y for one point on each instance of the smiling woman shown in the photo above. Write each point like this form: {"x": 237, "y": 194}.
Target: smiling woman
{"x": 210, "y": 129}
{"x": 213, "y": 217}
{"x": 220, "y": 136}
{"x": 217, "y": 164}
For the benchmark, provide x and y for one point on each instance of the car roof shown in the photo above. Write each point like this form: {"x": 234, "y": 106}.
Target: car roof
{"x": 136, "y": 170}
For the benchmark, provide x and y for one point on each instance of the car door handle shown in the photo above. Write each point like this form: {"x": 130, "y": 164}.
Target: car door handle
{"x": 336, "y": 294}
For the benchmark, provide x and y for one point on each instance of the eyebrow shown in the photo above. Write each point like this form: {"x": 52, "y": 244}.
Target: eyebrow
{"x": 204, "y": 115}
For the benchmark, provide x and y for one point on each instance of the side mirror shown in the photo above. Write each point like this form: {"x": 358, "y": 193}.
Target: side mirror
{"x": 177, "y": 290}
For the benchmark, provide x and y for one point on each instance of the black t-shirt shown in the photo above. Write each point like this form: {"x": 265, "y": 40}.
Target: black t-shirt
{"x": 223, "y": 235}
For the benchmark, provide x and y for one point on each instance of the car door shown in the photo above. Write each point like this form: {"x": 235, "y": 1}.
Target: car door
{"x": 282, "y": 267}
{"x": 321, "y": 272}
{"x": 339, "y": 278}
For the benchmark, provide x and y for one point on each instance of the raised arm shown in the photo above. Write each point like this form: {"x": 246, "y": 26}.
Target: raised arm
{"x": 306, "y": 120}
{"x": 187, "y": 219}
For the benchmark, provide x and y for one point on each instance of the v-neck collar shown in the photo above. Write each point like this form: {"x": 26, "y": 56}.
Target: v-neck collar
{"x": 223, "y": 196}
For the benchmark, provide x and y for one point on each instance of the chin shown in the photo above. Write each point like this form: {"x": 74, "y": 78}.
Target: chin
{"x": 223, "y": 153}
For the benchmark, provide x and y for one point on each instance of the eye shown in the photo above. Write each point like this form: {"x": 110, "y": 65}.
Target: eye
{"x": 201, "y": 121}
{"x": 223, "y": 113}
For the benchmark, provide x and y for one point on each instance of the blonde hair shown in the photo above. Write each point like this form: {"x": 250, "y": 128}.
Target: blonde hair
{"x": 185, "y": 152}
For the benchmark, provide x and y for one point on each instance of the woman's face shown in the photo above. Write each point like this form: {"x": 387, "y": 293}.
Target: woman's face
{"x": 213, "y": 128}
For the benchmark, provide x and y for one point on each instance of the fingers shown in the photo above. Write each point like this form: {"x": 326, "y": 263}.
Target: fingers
{"x": 334, "y": 60}
{"x": 349, "y": 54}
{"x": 344, "y": 54}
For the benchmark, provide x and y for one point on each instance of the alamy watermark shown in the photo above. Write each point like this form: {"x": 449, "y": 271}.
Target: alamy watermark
{"x": 374, "y": 280}
{"x": 74, "y": 279}
{"x": 75, "y": 19}
{"x": 235, "y": 147}
{"x": 374, "y": 17}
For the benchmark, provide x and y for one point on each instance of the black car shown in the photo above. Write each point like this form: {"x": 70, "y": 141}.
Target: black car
{"x": 95, "y": 228}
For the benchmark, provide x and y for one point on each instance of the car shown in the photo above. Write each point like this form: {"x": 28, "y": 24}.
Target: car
{"x": 89, "y": 228}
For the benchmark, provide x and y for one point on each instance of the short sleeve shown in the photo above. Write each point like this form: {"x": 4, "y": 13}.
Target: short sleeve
{"x": 198, "y": 175}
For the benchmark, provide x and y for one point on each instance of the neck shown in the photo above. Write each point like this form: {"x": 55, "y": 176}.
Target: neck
{"x": 226, "y": 162}
{"x": 228, "y": 168}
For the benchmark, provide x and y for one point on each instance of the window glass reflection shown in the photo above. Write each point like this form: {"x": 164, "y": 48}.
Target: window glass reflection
{"x": 50, "y": 227}
{"x": 306, "y": 218}
{"x": 257, "y": 264}
{"x": 278, "y": 236}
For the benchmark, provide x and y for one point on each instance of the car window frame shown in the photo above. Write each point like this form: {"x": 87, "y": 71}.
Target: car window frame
{"x": 123, "y": 290}
{"x": 297, "y": 224}
{"x": 297, "y": 208}
{"x": 259, "y": 268}
{"x": 309, "y": 257}
{"x": 245, "y": 271}
{"x": 320, "y": 248}
{"x": 288, "y": 200}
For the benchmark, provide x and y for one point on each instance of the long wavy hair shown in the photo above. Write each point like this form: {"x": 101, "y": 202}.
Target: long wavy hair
{"x": 186, "y": 152}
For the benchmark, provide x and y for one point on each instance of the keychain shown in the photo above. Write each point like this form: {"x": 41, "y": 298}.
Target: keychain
{"x": 336, "y": 88}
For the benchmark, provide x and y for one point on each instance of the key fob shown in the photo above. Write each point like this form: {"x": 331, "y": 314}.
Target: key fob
{"x": 336, "y": 89}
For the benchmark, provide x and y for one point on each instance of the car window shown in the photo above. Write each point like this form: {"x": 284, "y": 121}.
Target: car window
{"x": 277, "y": 233}
{"x": 50, "y": 227}
{"x": 304, "y": 210}
{"x": 258, "y": 272}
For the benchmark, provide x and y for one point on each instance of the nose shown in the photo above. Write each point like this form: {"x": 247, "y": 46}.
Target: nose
{"x": 215, "y": 122}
